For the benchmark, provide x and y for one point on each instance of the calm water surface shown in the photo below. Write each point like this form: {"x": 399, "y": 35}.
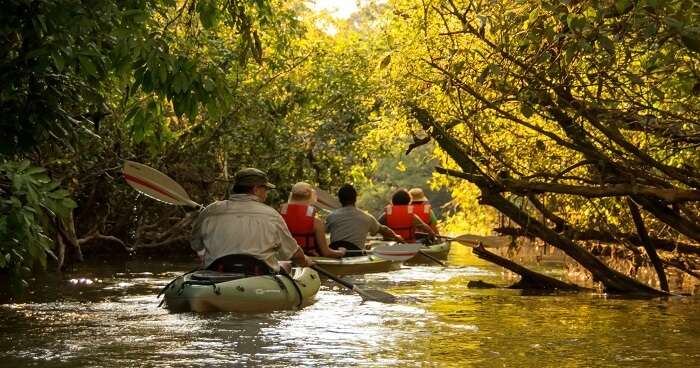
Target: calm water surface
{"x": 108, "y": 317}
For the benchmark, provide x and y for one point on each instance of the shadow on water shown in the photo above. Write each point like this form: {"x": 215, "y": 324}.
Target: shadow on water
{"x": 106, "y": 315}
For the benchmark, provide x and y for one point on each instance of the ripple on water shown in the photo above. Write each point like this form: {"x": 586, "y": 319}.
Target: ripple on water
{"x": 439, "y": 322}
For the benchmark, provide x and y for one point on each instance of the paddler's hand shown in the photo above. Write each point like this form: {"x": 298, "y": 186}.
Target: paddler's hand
{"x": 286, "y": 266}
{"x": 399, "y": 239}
{"x": 343, "y": 251}
{"x": 307, "y": 262}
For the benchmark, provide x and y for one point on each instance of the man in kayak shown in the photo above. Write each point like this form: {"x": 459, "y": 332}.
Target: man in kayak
{"x": 242, "y": 234}
{"x": 422, "y": 208}
{"x": 349, "y": 226}
{"x": 401, "y": 217}
{"x": 308, "y": 230}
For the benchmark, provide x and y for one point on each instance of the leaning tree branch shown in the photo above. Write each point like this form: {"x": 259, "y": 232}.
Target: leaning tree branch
{"x": 608, "y": 237}
{"x": 669, "y": 195}
{"x": 560, "y": 223}
{"x": 613, "y": 280}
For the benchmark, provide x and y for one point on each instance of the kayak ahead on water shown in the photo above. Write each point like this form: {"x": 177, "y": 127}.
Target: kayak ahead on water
{"x": 439, "y": 251}
{"x": 211, "y": 291}
{"x": 356, "y": 265}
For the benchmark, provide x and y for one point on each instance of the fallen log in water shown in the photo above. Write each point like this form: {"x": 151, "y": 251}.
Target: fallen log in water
{"x": 529, "y": 279}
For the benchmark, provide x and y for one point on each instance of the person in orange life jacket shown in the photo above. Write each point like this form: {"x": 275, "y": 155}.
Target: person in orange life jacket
{"x": 422, "y": 208}
{"x": 242, "y": 234}
{"x": 308, "y": 230}
{"x": 400, "y": 217}
{"x": 349, "y": 226}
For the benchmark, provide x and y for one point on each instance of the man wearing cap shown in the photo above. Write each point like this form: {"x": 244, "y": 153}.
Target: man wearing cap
{"x": 308, "y": 230}
{"x": 422, "y": 208}
{"x": 349, "y": 226}
{"x": 244, "y": 234}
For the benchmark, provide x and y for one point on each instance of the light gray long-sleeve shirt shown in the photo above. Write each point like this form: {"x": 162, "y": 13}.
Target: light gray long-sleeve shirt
{"x": 242, "y": 225}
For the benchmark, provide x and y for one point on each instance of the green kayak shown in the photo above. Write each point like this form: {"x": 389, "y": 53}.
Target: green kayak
{"x": 210, "y": 291}
{"x": 356, "y": 265}
{"x": 439, "y": 251}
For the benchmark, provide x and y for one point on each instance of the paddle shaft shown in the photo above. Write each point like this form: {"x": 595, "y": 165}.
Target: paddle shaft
{"x": 335, "y": 278}
{"x": 438, "y": 236}
{"x": 428, "y": 256}
{"x": 457, "y": 239}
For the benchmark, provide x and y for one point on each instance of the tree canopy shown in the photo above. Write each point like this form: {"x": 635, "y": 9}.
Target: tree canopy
{"x": 576, "y": 120}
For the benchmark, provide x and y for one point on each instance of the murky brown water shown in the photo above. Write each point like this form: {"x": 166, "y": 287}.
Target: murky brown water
{"x": 107, "y": 316}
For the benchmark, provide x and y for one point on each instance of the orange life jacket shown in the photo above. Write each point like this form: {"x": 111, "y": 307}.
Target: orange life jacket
{"x": 300, "y": 221}
{"x": 400, "y": 219}
{"x": 423, "y": 211}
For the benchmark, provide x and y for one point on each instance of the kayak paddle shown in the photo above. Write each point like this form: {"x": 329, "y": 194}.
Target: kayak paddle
{"x": 155, "y": 184}
{"x": 159, "y": 186}
{"x": 366, "y": 294}
{"x": 475, "y": 240}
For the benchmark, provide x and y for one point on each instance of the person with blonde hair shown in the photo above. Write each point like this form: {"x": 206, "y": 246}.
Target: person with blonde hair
{"x": 422, "y": 208}
{"x": 308, "y": 230}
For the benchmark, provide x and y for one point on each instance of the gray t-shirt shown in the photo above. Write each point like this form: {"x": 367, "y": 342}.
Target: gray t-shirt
{"x": 352, "y": 225}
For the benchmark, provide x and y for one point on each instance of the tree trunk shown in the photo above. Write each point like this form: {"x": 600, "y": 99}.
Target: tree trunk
{"x": 612, "y": 280}
{"x": 529, "y": 279}
{"x": 648, "y": 246}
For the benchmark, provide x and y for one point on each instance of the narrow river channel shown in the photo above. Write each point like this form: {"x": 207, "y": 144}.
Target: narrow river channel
{"x": 107, "y": 316}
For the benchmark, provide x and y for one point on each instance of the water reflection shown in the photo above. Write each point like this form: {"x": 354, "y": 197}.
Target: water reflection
{"x": 113, "y": 321}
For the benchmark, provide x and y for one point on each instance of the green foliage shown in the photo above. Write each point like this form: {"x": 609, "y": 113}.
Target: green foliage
{"x": 65, "y": 59}
{"x": 30, "y": 202}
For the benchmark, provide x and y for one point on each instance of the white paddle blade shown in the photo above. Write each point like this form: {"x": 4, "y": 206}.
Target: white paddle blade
{"x": 399, "y": 252}
{"x": 155, "y": 184}
{"x": 487, "y": 241}
{"x": 325, "y": 200}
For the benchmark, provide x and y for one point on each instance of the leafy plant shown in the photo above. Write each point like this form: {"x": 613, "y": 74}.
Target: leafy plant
{"x": 30, "y": 202}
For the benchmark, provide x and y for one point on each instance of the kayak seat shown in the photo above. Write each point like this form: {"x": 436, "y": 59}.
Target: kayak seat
{"x": 240, "y": 263}
{"x": 216, "y": 277}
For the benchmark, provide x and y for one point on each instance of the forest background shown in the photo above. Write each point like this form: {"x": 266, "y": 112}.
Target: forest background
{"x": 575, "y": 120}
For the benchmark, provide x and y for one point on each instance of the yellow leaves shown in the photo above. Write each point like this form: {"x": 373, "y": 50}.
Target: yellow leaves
{"x": 401, "y": 167}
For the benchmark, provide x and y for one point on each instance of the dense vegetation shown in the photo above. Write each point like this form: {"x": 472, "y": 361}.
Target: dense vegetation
{"x": 576, "y": 120}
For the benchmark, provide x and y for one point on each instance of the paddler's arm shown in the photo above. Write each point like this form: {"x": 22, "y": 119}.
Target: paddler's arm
{"x": 389, "y": 234}
{"x": 300, "y": 259}
{"x": 320, "y": 234}
{"x": 419, "y": 224}
{"x": 433, "y": 222}
{"x": 196, "y": 239}
{"x": 377, "y": 228}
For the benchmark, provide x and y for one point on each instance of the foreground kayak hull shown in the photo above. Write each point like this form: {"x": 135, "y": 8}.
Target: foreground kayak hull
{"x": 356, "y": 265}
{"x": 439, "y": 251}
{"x": 255, "y": 294}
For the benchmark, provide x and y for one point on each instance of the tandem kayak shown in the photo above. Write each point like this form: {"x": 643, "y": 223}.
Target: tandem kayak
{"x": 439, "y": 251}
{"x": 211, "y": 291}
{"x": 357, "y": 265}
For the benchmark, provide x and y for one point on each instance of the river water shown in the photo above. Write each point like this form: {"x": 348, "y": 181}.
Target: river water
{"x": 107, "y": 316}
